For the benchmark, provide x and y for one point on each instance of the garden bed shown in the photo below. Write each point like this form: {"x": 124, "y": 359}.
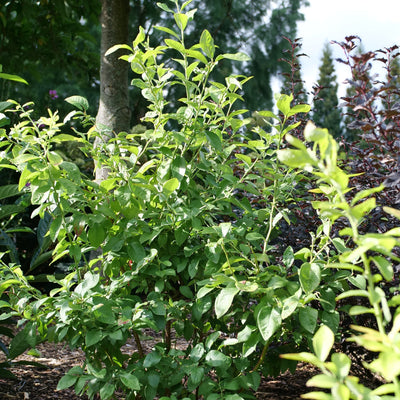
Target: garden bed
{"x": 35, "y": 383}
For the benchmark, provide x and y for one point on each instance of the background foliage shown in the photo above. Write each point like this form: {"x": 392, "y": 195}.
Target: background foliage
{"x": 194, "y": 223}
{"x": 59, "y": 43}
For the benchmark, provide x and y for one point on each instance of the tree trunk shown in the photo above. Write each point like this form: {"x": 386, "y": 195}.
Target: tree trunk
{"x": 114, "y": 114}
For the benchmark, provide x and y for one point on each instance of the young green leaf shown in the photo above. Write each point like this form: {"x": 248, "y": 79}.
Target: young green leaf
{"x": 14, "y": 78}
{"x": 385, "y": 267}
{"x": 130, "y": 381}
{"x": 269, "y": 320}
{"x": 170, "y": 186}
{"x": 79, "y": 102}
{"x": 323, "y": 342}
{"x": 181, "y": 21}
{"x": 283, "y": 103}
{"x": 215, "y": 358}
{"x": 310, "y": 277}
{"x": 224, "y": 300}
{"x": 107, "y": 390}
{"x": 167, "y": 30}
{"x": 140, "y": 37}
{"x": 235, "y": 57}
{"x": 70, "y": 378}
{"x": 175, "y": 45}
{"x": 308, "y": 317}
{"x": 207, "y": 43}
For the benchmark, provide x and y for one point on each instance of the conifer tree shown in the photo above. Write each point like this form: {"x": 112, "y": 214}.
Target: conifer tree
{"x": 394, "y": 81}
{"x": 326, "y": 113}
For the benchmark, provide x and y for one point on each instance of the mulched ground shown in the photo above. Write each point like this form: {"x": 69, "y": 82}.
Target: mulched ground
{"x": 34, "y": 383}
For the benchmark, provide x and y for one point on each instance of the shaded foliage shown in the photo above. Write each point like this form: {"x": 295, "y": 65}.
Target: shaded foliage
{"x": 57, "y": 49}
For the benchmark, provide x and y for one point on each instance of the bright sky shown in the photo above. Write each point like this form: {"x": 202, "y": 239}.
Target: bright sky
{"x": 376, "y": 22}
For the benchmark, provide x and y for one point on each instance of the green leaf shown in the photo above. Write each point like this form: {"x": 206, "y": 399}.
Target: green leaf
{"x": 66, "y": 381}
{"x": 185, "y": 291}
{"x": 197, "y": 55}
{"x": 299, "y": 108}
{"x": 384, "y": 389}
{"x": 140, "y": 37}
{"x": 105, "y": 314}
{"x": 164, "y": 7}
{"x": 204, "y": 291}
{"x": 167, "y": 30}
{"x": 224, "y": 301}
{"x": 196, "y": 375}
{"x": 79, "y": 102}
{"x": 154, "y": 379}
{"x": 295, "y": 158}
{"x": 90, "y": 280}
{"x": 342, "y": 363}
{"x": 341, "y": 391}
{"x": 364, "y": 193}
{"x": 197, "y": 352}
{"x": 246, "y": 286}
{"x": 181, "y": 20}
{"x": 244, "y": 158}
{"x": 290, "y": 304}
{"x": 215, "y": 140}
{"x": 305, "y": 357}
{"x": 96, "y": 235}
{"x": 55, "y": 227}
{"x": 10, "y": 209}
{"x": 24, "y": 158}
{"x": 26, "y": 176}
{"x": 364, "y": 208}
{"x": 385, "y": 267}
{"x": 317, "y": 396}
{"x": 130, "y": 381}
{"x": 339, "y": 245}
{"x": 170, "y": 186}
{"x": 151, "y": 359}
{"x": 310, "y": 277}
{"x": 207, "y": 43}
{"x": 216, "y": 359}
{"x": 107, "y": 391}
{"x": 308, "y": 317}
{"x": 314, "y": 134}
{"x": 322, "y": 381}
{"x": 352, "y": 293}
{"x": 269, "y": 320}
{"x": 22, "y": 341}
{"x": 92, "y": 337}
{"x": 70, "y": 378}
{"x": 283, "y": 103}
{"x": 178, "y": 168}
{"x": 64, "y": 137}
{"x": 254, "y": 237}
{"x": 72, "y": 170}
{"x": 14, "y": 78}
{"x": 392, "y": 211}
{"x": 175, "y": 45}
{"x": 235, "y": 57}
{"x": 288, "y": 257}
{"x": 358, "y": 310}
{"x": 4, "y": 120}
{"x": 9, "y": 191}
{"x": 115, "y": 48}
{"x": 323, "y": 342}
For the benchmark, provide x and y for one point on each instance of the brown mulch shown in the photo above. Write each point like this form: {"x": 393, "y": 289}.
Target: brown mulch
{"x": 34, "y": 383}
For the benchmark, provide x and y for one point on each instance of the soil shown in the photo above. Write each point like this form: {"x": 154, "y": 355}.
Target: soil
{"x": 35, "y": 383}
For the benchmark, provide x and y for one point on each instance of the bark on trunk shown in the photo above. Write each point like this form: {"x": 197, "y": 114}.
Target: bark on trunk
{"x": 113, "y": 114}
